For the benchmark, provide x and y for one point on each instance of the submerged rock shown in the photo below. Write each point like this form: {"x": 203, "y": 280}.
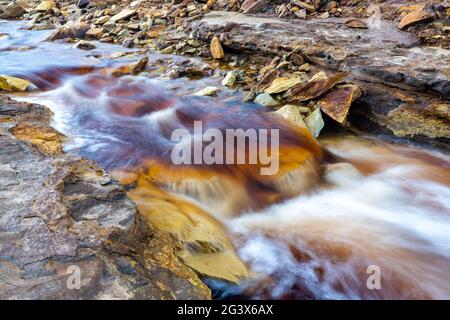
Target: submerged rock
{"x": 70, "y": 30}
{"x": 292, "y": 114}
{"x": 336, "y": 103}
{"x": 265, "y": 100}
{"x": 342, "y": 174}
{"x": 131, "y": 68}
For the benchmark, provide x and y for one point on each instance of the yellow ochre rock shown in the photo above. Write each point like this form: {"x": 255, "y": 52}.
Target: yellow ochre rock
{"x": 216, "y": 48}
{"x": 13, "y": 84}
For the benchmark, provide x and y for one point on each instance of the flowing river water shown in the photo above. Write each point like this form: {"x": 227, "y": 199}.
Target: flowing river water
{"x": 338, "y": 208}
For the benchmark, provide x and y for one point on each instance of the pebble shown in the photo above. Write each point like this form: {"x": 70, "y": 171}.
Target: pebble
{"x": 229, "y": 79}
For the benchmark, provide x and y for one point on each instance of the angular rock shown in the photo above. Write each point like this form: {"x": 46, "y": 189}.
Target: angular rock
{"x": 401, "y": 113}
{"x": 304, "y": 67}
{"x": 83, "y": 3}
{"x": 8, "y": 83}
{"x": 124, "y": 14}
{"x": 168, "y": 50}
{"x": 229, "y": 79}
{"x": 208, "y": 91}
{"x": 282, "y": 84}
{"x": 296, "y": 59}
{"x": 45, "y": 6}
{"x": 11, "y": 11}
{"x": 94, "y": 33}
{"x": 265, "y": 100}
{"x": 70, "y": 30}
{"x": 102, "y": 20}
{"x": 292, "y": 114}
{"x": 202, "y": 243}
{"x": 319, "y": 76}
{"x": 356, "y": 23}
{"x": 315, "y": 123}
{"x": 301, "y": 14}
{"x": 421, "y": 14}
{"x": 44, "y": 138}
{"x": 304, "y": 5}
{"x": 266, "y": 78}
{"x": 140, "y": 65}
{"x": 131, "y": 68}
{"x": 253, "y": 6}
{"x": 62, "y": 216}
{"x": 85, "y": 45}
{"x": 336, "y": 103}
{"x": 310, "y": 90}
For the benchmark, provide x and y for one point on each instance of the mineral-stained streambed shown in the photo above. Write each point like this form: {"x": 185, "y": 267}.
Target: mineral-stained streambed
{"x": 337, "y": 209}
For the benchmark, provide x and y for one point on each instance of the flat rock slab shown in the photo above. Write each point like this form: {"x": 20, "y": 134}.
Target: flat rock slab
{"x": 381, "y": 55}
{"x": 122, "y": 15}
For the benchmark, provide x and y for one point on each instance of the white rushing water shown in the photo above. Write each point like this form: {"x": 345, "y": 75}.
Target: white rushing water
{"x": 397, "y": 218}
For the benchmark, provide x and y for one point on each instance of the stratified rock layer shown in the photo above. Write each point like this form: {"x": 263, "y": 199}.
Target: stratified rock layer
{"x": 59, "y": 213}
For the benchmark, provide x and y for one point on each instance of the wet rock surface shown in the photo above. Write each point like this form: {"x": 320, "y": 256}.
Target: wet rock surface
{"x": 59, "y": 211}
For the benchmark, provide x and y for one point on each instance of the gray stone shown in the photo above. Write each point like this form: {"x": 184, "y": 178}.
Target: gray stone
{"x": 265, "y": 100}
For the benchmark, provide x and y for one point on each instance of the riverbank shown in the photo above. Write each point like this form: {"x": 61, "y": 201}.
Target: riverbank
{"x": 118, "y": 106}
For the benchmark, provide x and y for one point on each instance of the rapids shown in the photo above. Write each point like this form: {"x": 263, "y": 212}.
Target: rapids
{"x": 310, "y": 232}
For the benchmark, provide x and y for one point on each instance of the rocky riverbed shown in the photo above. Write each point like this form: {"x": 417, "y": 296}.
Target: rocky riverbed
{"x": 139, "y": 228}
